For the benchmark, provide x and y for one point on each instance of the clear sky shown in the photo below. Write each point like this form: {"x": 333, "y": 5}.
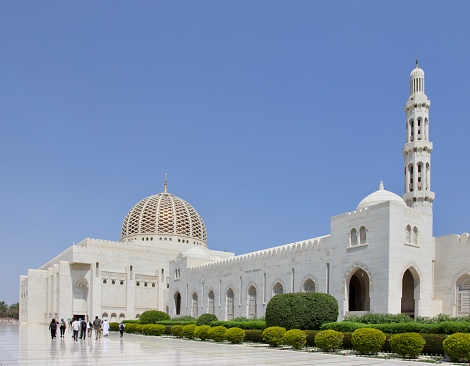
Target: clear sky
{"x": 268, "y": 116}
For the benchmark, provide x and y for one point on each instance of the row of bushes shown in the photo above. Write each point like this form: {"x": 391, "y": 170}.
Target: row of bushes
{"x": 405, "y": 327}
{"x": 374, "y": 318}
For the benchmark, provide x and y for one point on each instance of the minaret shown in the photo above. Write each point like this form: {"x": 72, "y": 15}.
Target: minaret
{"x": 417, "y": 150}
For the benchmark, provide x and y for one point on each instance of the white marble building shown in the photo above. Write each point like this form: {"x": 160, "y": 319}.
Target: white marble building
{"x": 382, "y": 257}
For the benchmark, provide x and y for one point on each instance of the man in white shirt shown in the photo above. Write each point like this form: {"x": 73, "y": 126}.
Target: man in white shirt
{"x": 75, "y": 328}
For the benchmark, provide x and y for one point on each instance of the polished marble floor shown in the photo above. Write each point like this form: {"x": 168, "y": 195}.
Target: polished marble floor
{"x": 32, "y": 345}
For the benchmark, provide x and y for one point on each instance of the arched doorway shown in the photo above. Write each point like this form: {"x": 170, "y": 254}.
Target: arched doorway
{"x": 409, "y": 292}
{"x": 251, "y": 302}
{"x": 177, "y": 299}
{"x": 359, "y": 291}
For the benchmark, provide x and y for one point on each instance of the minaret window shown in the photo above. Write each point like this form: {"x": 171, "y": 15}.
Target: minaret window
{"x": 412, "y": 130}
{"x": 427, "y": 176}
{"x": 420, "y": 168}
{"x": 415, "y": 235}
{"x": 410, "y": 168}
{"x": 419, "y": 129}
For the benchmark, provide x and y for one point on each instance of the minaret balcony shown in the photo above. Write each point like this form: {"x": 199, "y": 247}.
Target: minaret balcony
{"x": 419, "y": 195}
{"x": 417, "y": 145}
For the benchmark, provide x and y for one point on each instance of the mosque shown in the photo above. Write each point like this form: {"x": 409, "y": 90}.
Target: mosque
{"x": 381, "y": 257}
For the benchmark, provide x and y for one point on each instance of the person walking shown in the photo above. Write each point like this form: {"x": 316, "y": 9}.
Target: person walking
{"x": 105, "y": 326}
{"x": 97, "y": 327}
{"x": 75, "y": 328}
{"x": 121, "y": 328}
{"x": 82, "y": 329}
{"x": 89, "y": 328}
{"x": 53, "y": 328}
{"x": 62, "y": 327}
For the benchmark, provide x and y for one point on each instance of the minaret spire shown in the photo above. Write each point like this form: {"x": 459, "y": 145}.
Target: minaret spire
{"x": 164, "y": 184}
{"x": 418, "y": 148}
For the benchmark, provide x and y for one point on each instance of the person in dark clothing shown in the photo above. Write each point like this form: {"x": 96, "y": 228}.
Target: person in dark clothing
{"x": 121, "y": 328}
{"x": 62, "y": 327}
{"x": 82, "y": 329}
{"x": 53, "y": 328}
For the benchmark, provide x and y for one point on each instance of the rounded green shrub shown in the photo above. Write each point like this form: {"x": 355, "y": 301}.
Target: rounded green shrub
{"x": 113, "y": 326}
{"x": 368, "y": 340}
{"x": 152, "y": 329}
{"x": 202, "y": 332}
{"x": 457, "y": 347}
{"x": 177, "y": 331}
{"x": 303, "y": 310}
{"x": 295, "y": 338}
{"x": 217, "y": 333}
{"x": 273, "y": 335}
{"x": 131, "y": 328}
{"x": 407, "y": 344}
{"x": 329, "y": 340}
{"x": 253, "y": 335}
{"x": 188, "y": 331}
{"x": 152, "y": 316}
{"x": 235, "y": 335}
{"x": 206, "y": 319}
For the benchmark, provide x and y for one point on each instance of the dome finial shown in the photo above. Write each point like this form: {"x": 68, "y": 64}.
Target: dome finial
{"x": 417, "y": 66}
{"x": 164, "y": 184}
{"x": 381, "y": 186}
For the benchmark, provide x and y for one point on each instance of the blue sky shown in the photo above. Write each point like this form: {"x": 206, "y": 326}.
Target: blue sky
{"x": 268, "y": 116}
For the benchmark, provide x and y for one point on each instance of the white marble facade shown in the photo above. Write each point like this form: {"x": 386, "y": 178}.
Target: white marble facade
{"x": 382, "y": 257}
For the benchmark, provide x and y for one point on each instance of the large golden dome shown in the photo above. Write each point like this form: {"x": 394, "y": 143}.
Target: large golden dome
{"x": 164, "y": 217}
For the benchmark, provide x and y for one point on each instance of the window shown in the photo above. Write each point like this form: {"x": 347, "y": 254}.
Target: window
{"x": 252, "y": 302}
{"x": 353, "y": 237}
{"x": 113, "y": 282}
{"x": 194, "y": 305}
{"x": 415, "y": 235}
{"x": 210, "y": 302}
{"x": 309, "y": 286}
{"x": 278, "y": 289}
{"x": 408, "y": 234}
{"x": 230, "y": 304}
{"x": 463, "y": 295}
{"x": 362, "y": 235}
{"x": 105, "y": 282}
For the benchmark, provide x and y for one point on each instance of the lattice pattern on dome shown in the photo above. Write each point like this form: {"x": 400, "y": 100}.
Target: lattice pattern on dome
{"x": 164, "y": 214}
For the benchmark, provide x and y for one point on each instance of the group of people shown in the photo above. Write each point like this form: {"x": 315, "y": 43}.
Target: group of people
{"x": 81, "y": 328}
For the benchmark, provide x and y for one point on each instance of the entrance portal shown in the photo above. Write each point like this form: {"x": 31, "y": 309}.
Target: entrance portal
{"x": 359, "y": 291}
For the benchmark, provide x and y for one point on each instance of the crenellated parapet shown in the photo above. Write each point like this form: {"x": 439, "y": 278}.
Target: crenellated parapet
{"x": 276, "y": 253}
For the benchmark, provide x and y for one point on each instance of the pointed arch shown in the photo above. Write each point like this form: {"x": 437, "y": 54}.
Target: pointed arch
{"x": 230, "y": 303}
{"x": 463, "y": 295}
{"x": 362, "y": 235}
{"x": 358, "y": 286}
{"x": 309, "y": 284}
{"x": 410, "y": 290}
{"x": 194, "y": 304}
{"x": 211, "y": 302}
{"x": 177, "y": 302}
{"x": 252, "y": 302}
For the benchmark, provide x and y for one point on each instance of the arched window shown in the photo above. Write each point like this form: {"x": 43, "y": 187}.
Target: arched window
{"x": 412, "y": 130}
{"x": 252, "y": 302}
{"x": 463, "y": 295}
{"x": 113, "y": 317}
{"x": 427, "y": 176}
{"x": 137, "y": 316}
{"x": 309, "y": 286}
{"x": 194, "y": 305}
{"x": 210, "y": 302}
{"x": 419, "y": 128}
{"x": 408, "y": 234}
{"x": 278, "y": 289}
{"x": 122, "y": 317}
{"x": 353, "y": 237}
{"x": 410, "y": 169}
{"x": 230, "y": 304}
{"x": 362, "y": 235}
{"x": 177, "y": 299}
{"x": 415, "y": 235}
{"x": 104, "y": 316}
{"x": 420, "y": 176}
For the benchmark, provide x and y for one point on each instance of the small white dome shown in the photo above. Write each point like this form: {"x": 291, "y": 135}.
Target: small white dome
{"x": 379, "y": 196}
{"x": 417, "y": 73}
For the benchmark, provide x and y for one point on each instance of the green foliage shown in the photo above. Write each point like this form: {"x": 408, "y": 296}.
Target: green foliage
{"x": 113, "y": 326}
{"x": 217, "y": 333}
{"x": 408, "y": 327}
{"x": 295, "y": 338}
{"x": 407, "y": 344}
{"x": 378, "y": 318}
{"x": 186, "y": 318}
{"x": 177, "y": 331}
{"x": 202, "y": 332}
{"x": 152, "y": 316}
{"x": 368, "y": 340}
{"x": 206, "y": 319}
{"x": 235, "y": 335}
{"x": 252, "y": 324}
{"x": 132, "y": 328}
{"x": 176, "y": 322}
{"x": 137, "y": 321}
{"x": 433, "y": 344}
{"x": 188, "y": 331}
{"x": 457, "y": 347}
{"x": 152, "y": 329}
{"x": 303, "y": 310}
{"x": 273, "y": 335}
{"x": 253, "y": 335}
{"x": 329, "y": 340}
{"x": 11, "y": 311}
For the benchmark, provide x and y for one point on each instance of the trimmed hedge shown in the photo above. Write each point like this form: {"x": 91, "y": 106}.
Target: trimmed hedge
{"x": 329, "y": 340}
{"x": 295, "y": 338}
{"x": 253, "y": 335}
{"x": 177, "y": 331}
{"x": 152, "y": 329}
{"x": 408, "y": 327}
{"x": 206, "y": 319}
{"x": 202, "y": 332}
{"x": 457, "y": 347}
{"x": 374, "y": 318}
{"x": 188, "y": 331}
{"x": 254, "y": 324}
{"x": 235, "y": 335}
{"x": 113, "y": 326}
{"x": 302, "y": 310}
{"x": 273, "y": 335}
{"x": 407, "y": 344}
{"x": 368, "y": 340}
{"x": 152, "y": 316}
{"x": 217, "y": 333}
{"x": 176, "y": 322}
